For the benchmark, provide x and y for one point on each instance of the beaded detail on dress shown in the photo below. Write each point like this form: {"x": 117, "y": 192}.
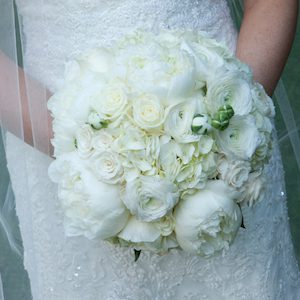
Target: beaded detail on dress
{"x": 259, "y": 265}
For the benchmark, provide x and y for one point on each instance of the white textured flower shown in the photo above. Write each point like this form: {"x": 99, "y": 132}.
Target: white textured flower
{"x": 92, "y": 208}
{"x": 229, "y": 88}
{"x": 241, "y": 138}
{"x": 102, "y": 140}
{"x": 84, "y": 136}
{"x": 148, "y": 112}
{"x": 235, "y": 172}
{"x": 166, "y": 225}
{"x": 97, "y": 60}
{"x": 111, "y": 102}
{"x": 262, "y": 102}
{"x": 253, "y": 190}
{"x": 137, "y": 231}
{"x": 191, "y": 176}
{"x": 149, "y": 197}
{"x": 169, "y": 160}
{"x": 205, "y": 144}
{"x": 207, "y": 222}
{"x": 179, "y": 121}
{"x": 107, "y": 167}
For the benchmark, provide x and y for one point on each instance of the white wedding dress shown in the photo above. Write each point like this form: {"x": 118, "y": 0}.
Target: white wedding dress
{"x": 259, "y": 265}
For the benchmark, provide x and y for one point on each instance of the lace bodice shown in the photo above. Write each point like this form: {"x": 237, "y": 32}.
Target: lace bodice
{"x": 259, "y": 265}
{"x": 55, "y": 30}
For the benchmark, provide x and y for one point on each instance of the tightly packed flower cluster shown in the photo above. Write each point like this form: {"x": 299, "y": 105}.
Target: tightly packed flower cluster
{"x": 158, "y": 141}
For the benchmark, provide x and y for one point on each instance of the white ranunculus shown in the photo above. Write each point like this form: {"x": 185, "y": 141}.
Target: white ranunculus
{"x": 107, "y": 167}
{"x": 207, "y": 222}
{"x": 241, "y": 138}
{"x": 137, "y": 231}
{"x": 229, "y": 88}
{"x": 149, "y": 197}
{"x": 179, "y": 121}
{"x": 148, "y": 112}
{"x": 111, "y": 103}
{"x": 235, "y": 173}
{"x": 92, "y": 208}
{"x": 84, "y": 136}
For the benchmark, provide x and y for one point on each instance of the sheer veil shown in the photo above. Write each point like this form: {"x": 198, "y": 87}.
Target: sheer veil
{"x": 21, "y": 95}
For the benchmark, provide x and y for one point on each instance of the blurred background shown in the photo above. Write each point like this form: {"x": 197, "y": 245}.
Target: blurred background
{"x": 14, "y": 277}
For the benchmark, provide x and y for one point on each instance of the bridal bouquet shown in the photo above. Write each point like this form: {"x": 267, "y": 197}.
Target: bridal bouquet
{"x": 158, "y": 142}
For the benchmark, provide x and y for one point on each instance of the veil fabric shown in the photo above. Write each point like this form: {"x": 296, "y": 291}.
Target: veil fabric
{"x": 22, "y": 95}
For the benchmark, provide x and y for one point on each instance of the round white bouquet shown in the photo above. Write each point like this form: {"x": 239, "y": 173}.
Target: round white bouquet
{"x": 158, "y": 140}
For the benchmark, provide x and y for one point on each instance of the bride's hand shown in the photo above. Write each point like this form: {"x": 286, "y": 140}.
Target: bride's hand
{"x": 14, "y": 105}
{"x": 266, "y": 37}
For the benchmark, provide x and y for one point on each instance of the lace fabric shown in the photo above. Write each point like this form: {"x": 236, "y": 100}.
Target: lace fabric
{"x": 259, "y": 265}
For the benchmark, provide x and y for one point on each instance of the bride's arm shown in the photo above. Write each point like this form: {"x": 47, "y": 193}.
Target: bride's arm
{"x": 13, "y": 93}
{"x": 266, "y": 36}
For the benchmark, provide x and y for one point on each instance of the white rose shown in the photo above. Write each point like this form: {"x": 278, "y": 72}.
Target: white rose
{"x": 92, "y": 208}
{"x": 207, "y": 222}
{"x": 111, "y": 103}
{"x": 84, "y": 136}
{"x": 229, "y": 88}
{"x": 235, "y": 173}
{"x": 240, "y": 138}
{"x": 179, "y": 121}
{"x": 148, "y": 112}
{"x": 150, "y": 198}
{"x": 107, "y": 167}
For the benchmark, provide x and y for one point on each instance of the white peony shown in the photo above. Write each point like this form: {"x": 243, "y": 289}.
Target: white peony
{"x": 240, "y": 139}
{"x": 137, "y": 231}
{"x": 149, "y": 198}
{"x": 207, "y": 222}
{"x": 92, "y": 208}
{"x": 107, "y": 167}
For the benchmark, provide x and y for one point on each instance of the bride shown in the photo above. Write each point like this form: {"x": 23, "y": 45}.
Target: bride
{"x": 259, "y": 265}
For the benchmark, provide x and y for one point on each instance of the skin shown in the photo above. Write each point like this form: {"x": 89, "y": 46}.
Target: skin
{"x": 266, "y": 37}
{"x": 264, "y": 43}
